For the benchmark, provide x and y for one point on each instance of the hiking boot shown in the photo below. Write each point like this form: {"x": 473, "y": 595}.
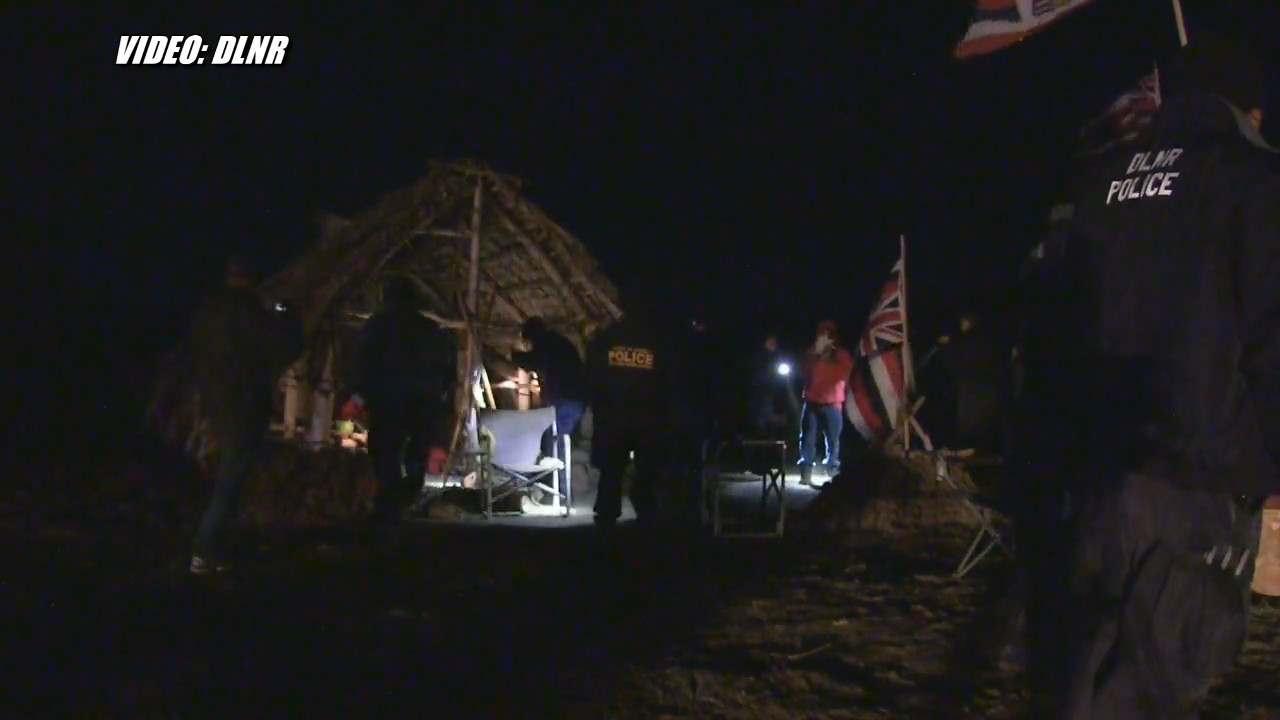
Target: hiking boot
{"x": 206, "y": 566}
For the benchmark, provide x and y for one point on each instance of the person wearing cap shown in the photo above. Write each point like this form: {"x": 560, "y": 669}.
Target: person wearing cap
{"x": 407, "y": 376}
{"x": 1151, "y": 404}
{"x": 826, "y": 372}
{"x": 240, "y": 348}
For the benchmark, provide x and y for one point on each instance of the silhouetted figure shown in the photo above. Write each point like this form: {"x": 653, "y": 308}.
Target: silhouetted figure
{"x": 630, "y": 383}
{"x": 698, "y": 404}
{"x": 979, "y": 374}
{"x": 1152, "y": 399}
{"x": 771, "y": 403}
{"x": 561, "y": 375}
{"x": 408, "y": 368}
{"x": 240, "y": 348}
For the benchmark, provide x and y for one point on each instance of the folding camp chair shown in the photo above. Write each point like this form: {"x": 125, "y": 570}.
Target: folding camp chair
{"x": 507, "y": 461}
{"x": 764, "y": 459}
{"x": 988, "y": 537}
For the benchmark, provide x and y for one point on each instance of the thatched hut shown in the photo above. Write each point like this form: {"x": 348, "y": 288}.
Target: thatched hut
{"x": 486, "y": 258}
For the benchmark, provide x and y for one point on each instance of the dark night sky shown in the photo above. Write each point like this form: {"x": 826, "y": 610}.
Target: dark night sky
{"x": 792, "y": 144}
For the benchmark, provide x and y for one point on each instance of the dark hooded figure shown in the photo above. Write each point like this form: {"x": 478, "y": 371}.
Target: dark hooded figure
{"x": 698, "y": 404}
{"x": 1152, "y": 398}
{"x": 407, "y": 367}
{"x": 239, "y": 347}
{"x": 561, "y": 374}
{"x": 979, "y": 379}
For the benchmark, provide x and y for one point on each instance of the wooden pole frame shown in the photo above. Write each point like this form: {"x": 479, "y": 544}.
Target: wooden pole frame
{"x": 1182, "y": 23}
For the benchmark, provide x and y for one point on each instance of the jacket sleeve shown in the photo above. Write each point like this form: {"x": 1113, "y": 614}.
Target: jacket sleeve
{"x": 845, "y": 362}
{"x": 1258, "y": 278}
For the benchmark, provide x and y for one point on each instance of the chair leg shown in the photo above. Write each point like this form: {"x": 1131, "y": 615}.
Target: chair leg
{"x": 568, "y": 475}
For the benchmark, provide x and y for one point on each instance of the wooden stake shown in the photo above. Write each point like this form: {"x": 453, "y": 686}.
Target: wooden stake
{"x": 488, "y": 387}
{"x": 1182, "y": 25}
{"x": 473, "y": 280}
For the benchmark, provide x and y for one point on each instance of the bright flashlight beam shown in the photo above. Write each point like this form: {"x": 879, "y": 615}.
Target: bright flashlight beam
{"x": 784, "y": 369}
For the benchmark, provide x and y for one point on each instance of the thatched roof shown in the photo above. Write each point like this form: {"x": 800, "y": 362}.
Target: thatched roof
{"x": 529, "y": 265}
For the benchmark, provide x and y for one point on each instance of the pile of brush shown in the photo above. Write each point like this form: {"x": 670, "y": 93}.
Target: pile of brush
{"x": 881, "y": 493}
{"x": 294, "y": 487}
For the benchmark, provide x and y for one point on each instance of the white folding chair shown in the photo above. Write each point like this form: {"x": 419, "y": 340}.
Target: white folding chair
{"x": 508, "y": 460}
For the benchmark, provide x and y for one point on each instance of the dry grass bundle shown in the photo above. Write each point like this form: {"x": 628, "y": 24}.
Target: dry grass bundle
{"x": 293, "y": 487}
{"x": 879, "y": 493}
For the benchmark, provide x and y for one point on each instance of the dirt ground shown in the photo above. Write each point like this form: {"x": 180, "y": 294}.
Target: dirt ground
{"x": 465, "y": 621}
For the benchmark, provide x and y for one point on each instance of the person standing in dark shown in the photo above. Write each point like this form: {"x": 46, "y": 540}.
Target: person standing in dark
{"x": 697, "y": 406}
{"x": 561, "y": 374}
{"x": 771, "y": 404}
{"x": 979, "y": 379}
{"x": 1152, "y": 402}
{"x": 562, "y": 378}
{"x": 826, "y": 370}
{"x": 240, "y": 348}
{"x": 630, "y": 386}
{"x": 408, "y": 368}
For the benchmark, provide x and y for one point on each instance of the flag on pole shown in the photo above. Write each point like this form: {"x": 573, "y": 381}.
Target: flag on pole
{"x": 997, "y": 24}
{"x": 1131, "y": 115}
{"x": 877, "y": 388}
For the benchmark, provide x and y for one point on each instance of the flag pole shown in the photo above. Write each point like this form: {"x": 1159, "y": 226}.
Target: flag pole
{"x": 908, "y": 372}
{"x": 1182, "y": 25}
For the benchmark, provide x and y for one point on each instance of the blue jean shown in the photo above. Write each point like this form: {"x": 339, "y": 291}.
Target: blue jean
{"x": 830, "y": 420}
{"x": 239, "y": 448}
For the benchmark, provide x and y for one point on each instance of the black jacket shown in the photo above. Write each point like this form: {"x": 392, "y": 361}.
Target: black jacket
{"x": 630, "y": 375}
{"x": 1155, "y": 340}
{"x": 560, "y": 369}
{"x": 403, "y": 353}
{"x": 240, "y": 348}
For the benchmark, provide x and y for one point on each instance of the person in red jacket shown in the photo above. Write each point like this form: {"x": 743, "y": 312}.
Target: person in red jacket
{"x": 826, "y": 370}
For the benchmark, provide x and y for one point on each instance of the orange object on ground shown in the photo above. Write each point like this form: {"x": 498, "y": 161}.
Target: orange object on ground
{"x": 1266, "y": 574}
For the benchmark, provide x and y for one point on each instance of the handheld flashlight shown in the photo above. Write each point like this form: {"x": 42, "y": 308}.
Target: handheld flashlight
{"x": 784, "y": 369}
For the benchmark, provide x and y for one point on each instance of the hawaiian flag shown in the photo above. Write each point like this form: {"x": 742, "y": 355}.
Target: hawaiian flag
{"x": 877, "y": 388}
{"x": 1131, "y": 115}
{"x": 997, "y": 24}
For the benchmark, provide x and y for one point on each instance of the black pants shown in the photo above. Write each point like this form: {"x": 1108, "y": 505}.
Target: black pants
{"x": 612, "y": 444}
{"x": 1158, "y": 602}
{"x": 690, "y": 447}
{"x": 401, "y": 429}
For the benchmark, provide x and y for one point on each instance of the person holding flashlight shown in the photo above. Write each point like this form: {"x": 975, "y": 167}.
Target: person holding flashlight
{"x": 826, "y": 371}
{"x": 770, "y": 391}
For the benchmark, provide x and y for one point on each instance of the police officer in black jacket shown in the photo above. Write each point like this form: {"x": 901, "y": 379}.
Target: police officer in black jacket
{"x": 407, "y": 368}
{"x": 1152, "y": 398}
{"x": 629, "y": 379}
